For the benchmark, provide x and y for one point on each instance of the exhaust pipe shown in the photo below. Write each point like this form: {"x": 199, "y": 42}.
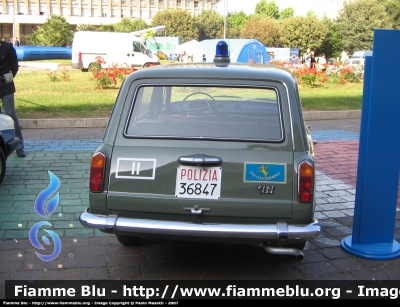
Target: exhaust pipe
{"x": 284, "y": 251}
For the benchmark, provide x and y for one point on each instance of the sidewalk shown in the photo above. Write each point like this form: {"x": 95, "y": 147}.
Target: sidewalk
{"x": 87, "y": 254}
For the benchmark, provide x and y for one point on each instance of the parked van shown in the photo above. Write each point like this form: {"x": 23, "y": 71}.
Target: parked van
{"x": 113, "y": 47}
{"x": 361, "y": 54}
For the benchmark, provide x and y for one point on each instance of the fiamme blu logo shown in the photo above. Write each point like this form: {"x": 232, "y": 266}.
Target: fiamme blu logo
{"x": 45, "y": 204}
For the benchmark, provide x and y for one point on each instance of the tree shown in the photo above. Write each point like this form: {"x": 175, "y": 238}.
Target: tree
{"x": 269, "y": 9}
{"x": 237, "y": 20}
{"x": 357, "y": 21}
{"x": 209, "y": 24}
{"x": 333, "y": 43}
{"x": 85, "y": 27}
{"x": 235, "y": 23}
{"x": 303, "y": 32}
{"x": 393, "y": 10}
{"x": 125, "y": 25}
{"x": 266, "y": 30}
{"x": 177, "y": 22}
{"x": 286, "y": 13}
{"x": 55, "y": 31}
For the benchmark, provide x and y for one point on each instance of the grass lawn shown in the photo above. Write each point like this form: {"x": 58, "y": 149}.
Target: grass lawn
{"x": 38, "y": 96}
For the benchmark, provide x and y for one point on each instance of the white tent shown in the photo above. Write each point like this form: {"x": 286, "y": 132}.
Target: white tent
{"x": 193, "y": 50}
{"x": 189, "y": 47}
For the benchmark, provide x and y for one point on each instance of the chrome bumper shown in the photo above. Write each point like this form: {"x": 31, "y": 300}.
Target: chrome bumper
{"x": 278, "y": 231}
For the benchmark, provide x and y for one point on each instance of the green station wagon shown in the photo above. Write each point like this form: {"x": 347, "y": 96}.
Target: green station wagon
{"x": 212, "y": 152}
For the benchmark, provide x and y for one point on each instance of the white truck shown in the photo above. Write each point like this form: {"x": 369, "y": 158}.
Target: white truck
{"x": 114, "y": 47}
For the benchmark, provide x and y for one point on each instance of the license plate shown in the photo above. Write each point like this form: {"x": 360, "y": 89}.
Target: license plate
{"x": 198, "y": 182}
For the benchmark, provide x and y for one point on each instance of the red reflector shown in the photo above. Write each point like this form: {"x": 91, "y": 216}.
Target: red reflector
{"x": 305, "y": 197}
{"x": 97, "y": 172}
{"x": 306, "y": 181}
{"x": 80, "y": 56}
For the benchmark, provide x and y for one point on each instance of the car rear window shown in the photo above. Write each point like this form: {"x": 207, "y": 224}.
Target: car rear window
{"x": 206, "y": 112}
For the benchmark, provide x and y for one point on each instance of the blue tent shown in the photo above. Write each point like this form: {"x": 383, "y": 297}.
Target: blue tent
{"x": 241, "y": 50}
{"x": 34, "y": 53}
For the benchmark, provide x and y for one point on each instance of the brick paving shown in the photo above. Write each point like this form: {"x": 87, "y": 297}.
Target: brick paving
{"x": 91, "y": 255}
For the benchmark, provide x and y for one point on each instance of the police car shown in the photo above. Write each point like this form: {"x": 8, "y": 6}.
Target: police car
{"x": 208, "y": 152}
{"x": 8, "y": 142}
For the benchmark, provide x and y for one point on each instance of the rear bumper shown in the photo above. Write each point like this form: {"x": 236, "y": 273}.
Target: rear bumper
{"x": 137, "y": 227}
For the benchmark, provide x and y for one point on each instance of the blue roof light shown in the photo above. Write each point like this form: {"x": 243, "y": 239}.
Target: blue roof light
{"x": 221, "y": 57}
{"x": 222, "y": 49}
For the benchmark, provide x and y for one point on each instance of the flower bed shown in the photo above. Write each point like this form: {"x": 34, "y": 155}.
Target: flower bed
{"x": 334, "y": 74}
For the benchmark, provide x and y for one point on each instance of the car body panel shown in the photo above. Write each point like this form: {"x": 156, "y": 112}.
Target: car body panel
{"x": 8, "y": 140}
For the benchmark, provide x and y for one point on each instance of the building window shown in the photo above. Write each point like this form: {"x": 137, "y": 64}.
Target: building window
{"x": 94, "y": 2}
{"x": 104, "y": 2}
{"x": 123, "y": 1}
{"x": 114, "y": 1}
{"x": 213, "y": 5}
{"x": 161, "y": 3}
{"x": 84, "y": 1}
{"x": 142, "y": 3}
{"x": 133, "y": 3}
{"x": 187, "y": 3}
{"x": 196, "y": 4}
{"x": 178, "y": 3}
{"x": 170, "y": 3}
{"x": 152, "y": 2}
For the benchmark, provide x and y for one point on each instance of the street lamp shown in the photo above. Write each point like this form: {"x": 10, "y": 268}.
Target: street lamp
{"x": 225, "y": 7}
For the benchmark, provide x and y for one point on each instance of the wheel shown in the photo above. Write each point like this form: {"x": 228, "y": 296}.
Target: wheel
{"x": 128, "y": 240}
{"x": 198, "y": 93}
{"x": 198, "y": 107}
{"x": 94, "y": 67}
{"x": 148, "y": 65}
{"x": 2, "y": 165}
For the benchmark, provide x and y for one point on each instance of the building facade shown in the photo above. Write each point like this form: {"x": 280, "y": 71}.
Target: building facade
{"x": 19, "y": 18}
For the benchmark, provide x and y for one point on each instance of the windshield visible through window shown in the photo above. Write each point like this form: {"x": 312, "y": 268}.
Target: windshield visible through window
{"x": 207, "y": 112}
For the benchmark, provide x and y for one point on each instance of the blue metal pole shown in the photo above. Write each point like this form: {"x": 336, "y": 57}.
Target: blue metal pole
{"x": 379, "y": 153}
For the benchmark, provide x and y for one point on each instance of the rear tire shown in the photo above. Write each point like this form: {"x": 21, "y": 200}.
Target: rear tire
{"x": 2, "y": 165}
{"x": 128, "y": 240}
{"x": 94, "y": 68}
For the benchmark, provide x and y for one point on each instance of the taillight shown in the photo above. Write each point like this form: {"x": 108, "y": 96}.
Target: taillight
{"x": 80, "y": 56}
{"x": 97, "y": 167}
{"x": 306, "y": 181}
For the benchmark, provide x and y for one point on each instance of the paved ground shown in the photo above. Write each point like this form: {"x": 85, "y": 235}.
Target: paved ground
{"x": 90, "y": 255}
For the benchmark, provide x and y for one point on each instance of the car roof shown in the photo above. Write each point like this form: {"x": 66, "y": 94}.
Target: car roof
{"x": 211, "y": 71}
{"x": 361, "y": 53}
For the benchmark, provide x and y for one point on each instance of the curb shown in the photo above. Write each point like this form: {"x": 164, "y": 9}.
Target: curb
{"x": 102, "y": 122}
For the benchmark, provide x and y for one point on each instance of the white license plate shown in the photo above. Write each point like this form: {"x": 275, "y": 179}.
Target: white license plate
{"x": 198, "y": 182}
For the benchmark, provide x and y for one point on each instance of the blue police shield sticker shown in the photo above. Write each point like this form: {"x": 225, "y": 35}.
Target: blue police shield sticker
{"x": 265, "y": 172}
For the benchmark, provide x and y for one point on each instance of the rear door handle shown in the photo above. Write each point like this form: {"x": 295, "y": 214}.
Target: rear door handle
{"x": 200, "y": 159}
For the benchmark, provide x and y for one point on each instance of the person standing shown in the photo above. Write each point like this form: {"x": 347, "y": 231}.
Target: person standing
{"x": 16, "y": 42}
{"x": 8, "y": 71}
{"x": 322, "y": 62}
{"x": 313, "y": 59}
{"x": 344, "y": 56}
{"x": 307, "y": 58}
